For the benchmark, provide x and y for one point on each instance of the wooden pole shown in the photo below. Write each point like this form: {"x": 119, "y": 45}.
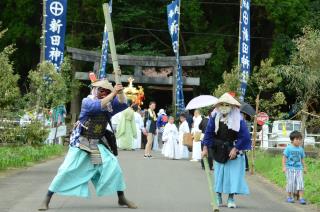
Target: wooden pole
{"x": 239, "y": 34}
{"x": 254, "y": 134}
{"x": 42, "y": 48}
{"x": 174, "y": 90}
{"x": 43, "y": 33}
{"x": 303, "y": 121}
{"x": 211, "y": 185}
{"x": 107, "y": 18}
{"x": 175, "y": 73}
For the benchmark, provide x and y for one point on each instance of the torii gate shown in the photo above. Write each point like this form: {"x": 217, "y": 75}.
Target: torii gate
{"x": 139, "y": 62}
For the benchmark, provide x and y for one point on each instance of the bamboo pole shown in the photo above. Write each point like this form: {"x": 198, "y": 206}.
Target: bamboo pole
{"x": 210, "y": 184}
{"x": 254, "y": 134}
{"x": 114, "y": 56}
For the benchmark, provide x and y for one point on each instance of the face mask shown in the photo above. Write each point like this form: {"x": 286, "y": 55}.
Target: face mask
{"x": 224, "y": 109}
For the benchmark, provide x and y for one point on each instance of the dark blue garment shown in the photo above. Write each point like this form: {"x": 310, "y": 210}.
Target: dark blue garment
{"x": 243, "y": 141}
{"x": 162, "y": 121}
{"x": 91, "y": 107}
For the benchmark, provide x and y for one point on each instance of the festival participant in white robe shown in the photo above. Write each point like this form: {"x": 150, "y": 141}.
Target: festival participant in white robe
{"x": 171, "y": 140}
{"x": 139, "y": 125}
{"x": 183, "y": 128}
{"x": 115, "y": 121}
{"x": 196, "y": 146}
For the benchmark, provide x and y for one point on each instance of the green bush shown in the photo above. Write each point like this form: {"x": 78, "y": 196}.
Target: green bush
{"x": 12, "y": 157}
{"x": 35, "y": 133}
{"x": 32, "y": 134}
{"x": 270, "y": 166}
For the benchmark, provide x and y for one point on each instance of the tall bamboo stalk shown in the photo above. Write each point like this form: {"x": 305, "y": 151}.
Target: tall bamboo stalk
{"x": 116, "y": 67}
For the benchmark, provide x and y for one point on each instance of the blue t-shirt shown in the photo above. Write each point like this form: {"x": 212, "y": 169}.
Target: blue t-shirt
{"x": 294, "y": 156}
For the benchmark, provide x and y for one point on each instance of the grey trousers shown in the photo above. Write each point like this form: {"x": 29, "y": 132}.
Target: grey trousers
{"x": 160, "y": 142}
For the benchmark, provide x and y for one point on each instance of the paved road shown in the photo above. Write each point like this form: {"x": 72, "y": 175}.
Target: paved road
{"x": 154, "y": 184}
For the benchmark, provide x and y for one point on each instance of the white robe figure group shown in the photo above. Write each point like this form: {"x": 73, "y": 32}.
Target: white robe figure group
{"x": 139, "y": 125}
{"x": 173, "y": 139}
{"x": 196, "y": 146}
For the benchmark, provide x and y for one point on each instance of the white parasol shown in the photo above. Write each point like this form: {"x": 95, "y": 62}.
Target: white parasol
{"x": 201, "y": 101}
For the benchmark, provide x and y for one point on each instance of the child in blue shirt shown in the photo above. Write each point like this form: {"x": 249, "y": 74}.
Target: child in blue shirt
{"x": 293, "y": 166}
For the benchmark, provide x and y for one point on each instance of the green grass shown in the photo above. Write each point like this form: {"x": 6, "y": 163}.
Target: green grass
{"x": 21, "y": 156}
{"x": 270, "y": 166}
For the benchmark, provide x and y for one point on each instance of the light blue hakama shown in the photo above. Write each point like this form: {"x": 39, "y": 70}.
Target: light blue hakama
{"x": 77, "y": 170}
{"x": 230, "y": 177}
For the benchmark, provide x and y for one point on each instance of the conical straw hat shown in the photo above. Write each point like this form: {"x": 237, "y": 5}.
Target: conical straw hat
{"x": 227, "y": 98}
{"x": 103, "y": 84}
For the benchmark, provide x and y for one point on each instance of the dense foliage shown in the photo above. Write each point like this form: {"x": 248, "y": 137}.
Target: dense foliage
{"x": 140, "y": 28}
{"x": 9, "y": 80}
{"x": 33, "y": 134}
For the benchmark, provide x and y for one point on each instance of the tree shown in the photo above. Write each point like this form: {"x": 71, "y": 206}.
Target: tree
{"x": 10, "y": 92}
{"x": 230, "y": 83}
{"x": 23, "y": 18}
{"x": 264, "y": 80}
{"x": 140, "y": 28}
{"x": 72, "y": 84}
{"x": 48, "y": 87}
{"x": 303, "y": 70}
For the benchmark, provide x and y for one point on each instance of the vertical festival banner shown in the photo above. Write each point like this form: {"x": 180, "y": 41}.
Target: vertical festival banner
{"x": 244, "y": 46}
{"x": 173, "y": 11}
{"x": 56, "y": 12}
{"x": 104, "y": 52}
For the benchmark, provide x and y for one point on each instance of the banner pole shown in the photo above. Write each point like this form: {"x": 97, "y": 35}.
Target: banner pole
{"x": 177, "y": 59}
{"x": 239, "y": 36}
{"x": 43, "y": 33}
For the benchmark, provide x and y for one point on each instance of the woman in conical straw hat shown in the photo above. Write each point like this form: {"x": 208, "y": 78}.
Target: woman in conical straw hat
{"x": 228, "y": 136}
{"x": 88, "y": 158}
